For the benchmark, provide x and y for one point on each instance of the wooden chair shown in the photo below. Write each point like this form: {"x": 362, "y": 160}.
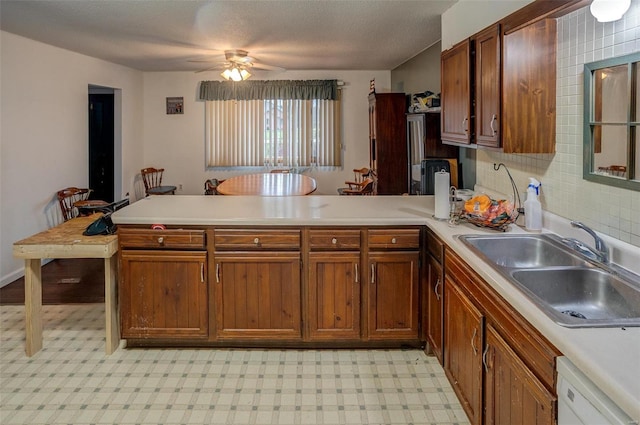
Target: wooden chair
{"x": 359, "y": 174}
{"x": 68, "y": 197}
{"x": 365, "y": 187}
{"x": 618, "y": 170}
{"x": 152, "y": 179}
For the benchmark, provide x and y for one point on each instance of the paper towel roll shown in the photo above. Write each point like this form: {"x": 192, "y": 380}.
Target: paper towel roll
{"x": 441, "y": 192}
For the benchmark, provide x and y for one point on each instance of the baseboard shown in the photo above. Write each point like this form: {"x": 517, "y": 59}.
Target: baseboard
{"x": 17, "y": 274}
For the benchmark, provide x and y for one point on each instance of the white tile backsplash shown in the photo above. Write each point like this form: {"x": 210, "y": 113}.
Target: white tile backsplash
{"x": 609, "y": 210}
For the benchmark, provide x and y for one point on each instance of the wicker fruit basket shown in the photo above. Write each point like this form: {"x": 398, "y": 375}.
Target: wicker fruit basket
{"x": 482, "y": 211}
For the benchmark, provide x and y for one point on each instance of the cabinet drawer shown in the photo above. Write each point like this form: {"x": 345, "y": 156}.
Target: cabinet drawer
{"x": 241, "y": 239}
{"x": 435, "y": 247}
{"x": 171, "y": 238}
{"x": 394, "y": 239}
{"x": 334, "y": 239}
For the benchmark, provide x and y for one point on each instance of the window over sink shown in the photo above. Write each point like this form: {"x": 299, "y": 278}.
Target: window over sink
{"x": 611, "y": 120}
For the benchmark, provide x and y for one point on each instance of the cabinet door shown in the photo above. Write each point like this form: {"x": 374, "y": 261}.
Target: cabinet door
{"x": 334, "y": 296}
{"x": 487, "y": 87}
{"x": 388, "y": 145}
{"x": 529, "y": 89}
{"x": 435, "y": 302}
{"x": 164, "y": 294}
{"x": 455, "y": 94}
{"x": 513, "y": 394}
{"x": 462, "y": 354}
{"x": 258, "y": 295}
{"x": 393, "y": 295}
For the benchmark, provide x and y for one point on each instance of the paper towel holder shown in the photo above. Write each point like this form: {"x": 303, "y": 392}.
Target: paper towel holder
{"x": 441, "y": 192}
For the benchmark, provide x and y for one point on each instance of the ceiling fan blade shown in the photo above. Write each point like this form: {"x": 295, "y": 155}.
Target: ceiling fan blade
{"x": 213, "y": 68}
{"x": 266, "y": 67}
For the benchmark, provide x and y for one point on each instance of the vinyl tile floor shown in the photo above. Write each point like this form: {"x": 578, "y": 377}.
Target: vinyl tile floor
{"x": 72, "y": 381}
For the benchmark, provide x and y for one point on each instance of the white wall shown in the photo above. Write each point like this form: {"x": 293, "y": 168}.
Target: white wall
{"x": 176, "y": 142}
{"x": 44, "y": 147}
{"x": 420, "y": 73}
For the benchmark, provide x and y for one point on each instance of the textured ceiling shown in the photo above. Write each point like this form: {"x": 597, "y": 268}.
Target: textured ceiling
{"x": 159, "y": 35}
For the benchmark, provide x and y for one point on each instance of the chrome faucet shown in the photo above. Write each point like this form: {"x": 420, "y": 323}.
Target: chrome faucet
{"x": 601, "y": 251}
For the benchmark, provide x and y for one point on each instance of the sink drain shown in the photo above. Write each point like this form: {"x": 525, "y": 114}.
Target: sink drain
{"x": 573, "y": 313}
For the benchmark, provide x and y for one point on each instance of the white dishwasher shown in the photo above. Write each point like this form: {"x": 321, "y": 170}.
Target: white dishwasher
{"x": 580, "y": 402}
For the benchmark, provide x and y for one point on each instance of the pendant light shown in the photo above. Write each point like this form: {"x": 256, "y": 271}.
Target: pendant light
{"x": 609, "y": 10}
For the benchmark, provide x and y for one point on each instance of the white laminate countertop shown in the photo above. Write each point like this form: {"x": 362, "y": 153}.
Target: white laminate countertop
{"x": 610, "y": 357}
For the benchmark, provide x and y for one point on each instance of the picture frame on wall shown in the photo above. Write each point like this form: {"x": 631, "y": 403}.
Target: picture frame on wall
{"x": 175, "y": 105}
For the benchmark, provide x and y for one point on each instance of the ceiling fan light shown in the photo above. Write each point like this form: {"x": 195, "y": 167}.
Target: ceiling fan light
{"x": 235, "y": 74}
{"x": 609, "y": 10}
{"x": 226, "y": 74}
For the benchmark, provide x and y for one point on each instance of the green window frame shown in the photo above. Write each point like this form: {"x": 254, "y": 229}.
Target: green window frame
{"x": 625, "y": 125}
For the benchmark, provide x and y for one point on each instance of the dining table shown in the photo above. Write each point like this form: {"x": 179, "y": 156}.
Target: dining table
{"x": 268, "y": 184}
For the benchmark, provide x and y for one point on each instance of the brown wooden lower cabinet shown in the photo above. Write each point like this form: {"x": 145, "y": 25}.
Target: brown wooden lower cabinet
{"x": 435, "y": 308}
{"x": 258, "y": 295}
{"x": 516, "y": 385}
{"x": 333, "y": 296}
{"x": 164, "y": 294}
{"x": 464, "y": 333}
{"x": 254, "y": 294}
{"x": 393, "y": 301}
{"x": 513, "y": 395}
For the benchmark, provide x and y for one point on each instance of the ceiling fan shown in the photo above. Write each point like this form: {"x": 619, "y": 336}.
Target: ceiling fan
{"x": 237, "y": 65}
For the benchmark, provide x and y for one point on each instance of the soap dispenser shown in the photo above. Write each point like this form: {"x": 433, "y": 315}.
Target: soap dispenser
{"x": 532, "y": 207}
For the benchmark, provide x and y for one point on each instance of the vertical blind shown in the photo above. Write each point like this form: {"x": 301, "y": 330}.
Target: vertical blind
{"x": 271, "y": 131}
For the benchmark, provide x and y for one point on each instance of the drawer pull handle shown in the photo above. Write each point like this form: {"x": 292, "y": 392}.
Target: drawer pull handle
{"x": 435, "y": 289}
{"x": 160, "y": 240}
{"x": 256, "y": 241}
{"x": 373, "y": 272}
{"x": 334, "y": 241}
{"x": 356, "y": 267}
{"x": 394, "y": 240}
{"x": 217, "y": 272}
{"x": 202, "y": 272}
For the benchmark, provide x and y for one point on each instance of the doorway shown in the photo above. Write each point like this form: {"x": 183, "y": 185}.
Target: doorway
{"x": 102, "y": 143}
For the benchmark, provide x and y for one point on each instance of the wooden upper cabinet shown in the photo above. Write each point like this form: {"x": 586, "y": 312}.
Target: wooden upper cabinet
{"x": 455, "y": 96}
{"x": 529, "y": 89}
{"x": 487, "y": 87}
{"x": 499, "y": 87}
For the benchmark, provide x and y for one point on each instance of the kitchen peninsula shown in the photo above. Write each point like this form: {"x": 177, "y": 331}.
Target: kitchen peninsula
{"x": 348, "y": 271}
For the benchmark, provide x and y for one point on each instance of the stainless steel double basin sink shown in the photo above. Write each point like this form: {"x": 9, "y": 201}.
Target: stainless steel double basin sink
{"x": 570, "y": 288}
